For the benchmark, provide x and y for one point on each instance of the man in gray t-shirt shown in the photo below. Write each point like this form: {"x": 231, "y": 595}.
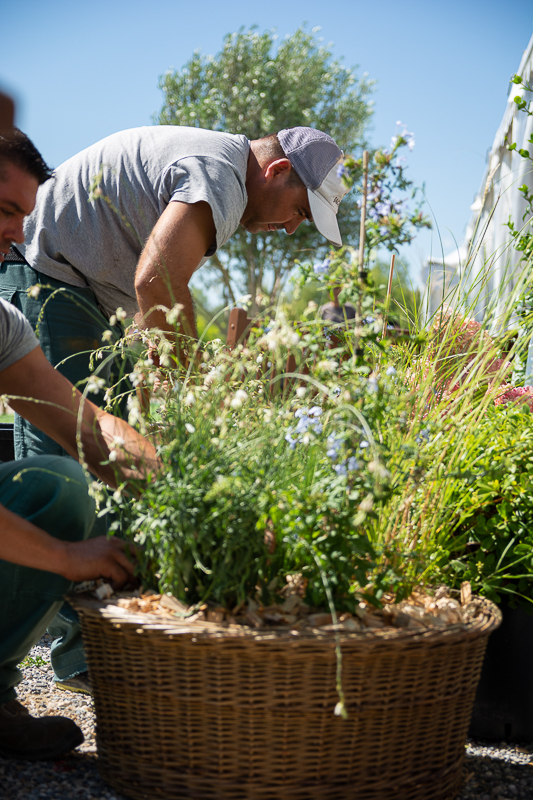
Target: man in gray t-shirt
{"x": 133, "y": 216}
{"x": 126, "y": 222}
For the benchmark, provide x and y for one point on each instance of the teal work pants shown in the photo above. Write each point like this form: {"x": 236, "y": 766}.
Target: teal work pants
{"x": 52, "y": 494}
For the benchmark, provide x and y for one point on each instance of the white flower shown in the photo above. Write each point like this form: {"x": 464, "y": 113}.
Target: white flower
{"x": 113, "y": 455}
{"x": 118, "y": 441}
{"x": 121, "y": 314}
{"x": 173, "y": 315}
{"x": 327, "y": 365}
{"x": 107, "y": 336}
{"x": 135, "y": 378}
{"x": 390, "y": 371}
{"x": 301, "y": 392}
{"x": 190, "y": 399}
{"x": 112, "y": 320}
{"x": 117, "y": 496}
{"x": 239, "y": 399}
{"x": 94, "y": 384}
{"x": 189, "y": 428}
{"x": 244, "y": 300}
{"x": 34, "y": 291}
{"x": 367, "y": 504}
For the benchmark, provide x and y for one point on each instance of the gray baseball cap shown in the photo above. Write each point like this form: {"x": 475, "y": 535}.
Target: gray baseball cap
{"x": 316, "y": 157}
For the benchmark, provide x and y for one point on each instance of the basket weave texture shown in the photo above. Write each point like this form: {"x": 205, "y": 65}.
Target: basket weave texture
{"x": 210, "y": 713}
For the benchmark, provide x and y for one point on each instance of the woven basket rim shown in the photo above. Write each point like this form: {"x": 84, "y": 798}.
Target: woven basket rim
{"x": 485, "y": 617}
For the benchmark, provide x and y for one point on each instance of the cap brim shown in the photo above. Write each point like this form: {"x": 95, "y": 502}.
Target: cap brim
{"x": 324, "y": 218}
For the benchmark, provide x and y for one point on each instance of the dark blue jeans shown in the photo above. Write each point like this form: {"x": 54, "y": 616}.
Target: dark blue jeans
{"x": 52, "y": 494}
{"x": 69, "y": 325}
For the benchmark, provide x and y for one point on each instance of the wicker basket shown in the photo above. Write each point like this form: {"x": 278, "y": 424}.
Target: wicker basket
{"x": 204, "y": 712}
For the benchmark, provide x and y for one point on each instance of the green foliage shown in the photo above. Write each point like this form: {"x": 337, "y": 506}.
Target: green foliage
{"x": 390, "y": 221}
{"x": 31, "y": 661}
{"x": 363, "y": 477}
{"x": 264, "y": 479}
{"x": 490, "y": 542}
{"x": 522, "y": 239}
{"x": 256, "y": 87}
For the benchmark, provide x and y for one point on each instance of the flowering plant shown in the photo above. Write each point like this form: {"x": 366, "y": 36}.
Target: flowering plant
{"x": 272, "y": 476}
{"x": 391, "y": 221}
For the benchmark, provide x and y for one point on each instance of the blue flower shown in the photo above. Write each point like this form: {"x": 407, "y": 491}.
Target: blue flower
{"x": 335, "y": 442}
{"x": 390, "y": 371}
{"x": 316, "y": 411}
{"x": 364, "y": 444}
{"x": 323, "y": 267}
{"x": 384, "y": 208}
{"x": 289, "y": 439}
{"x": 340, "y": 469}
{"x": 352, "y": 463}
{"x": 341, "y": 170}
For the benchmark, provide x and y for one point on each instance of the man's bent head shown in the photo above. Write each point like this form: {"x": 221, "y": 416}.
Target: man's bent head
{"x": 316, "y": 158}
{"x": 292, "y": 176}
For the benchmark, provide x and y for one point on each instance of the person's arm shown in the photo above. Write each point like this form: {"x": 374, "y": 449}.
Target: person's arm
{"x": 53, "y": 405}
{"x": 25, "y": 544}
{"x": 175, "y": 248}
{"x": 56, "y": 414}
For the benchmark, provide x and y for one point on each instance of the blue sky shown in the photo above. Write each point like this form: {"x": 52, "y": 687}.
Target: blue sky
{"x": 80, "y": 71}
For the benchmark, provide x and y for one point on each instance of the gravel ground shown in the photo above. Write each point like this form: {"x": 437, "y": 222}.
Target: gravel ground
{"x": 492, "y": 771}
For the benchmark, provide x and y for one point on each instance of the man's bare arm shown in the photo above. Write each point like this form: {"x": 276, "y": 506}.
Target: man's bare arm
{"x": 23, "y": 543}
{"x": 175, "y": 248}
{"x": 53, "y": 405}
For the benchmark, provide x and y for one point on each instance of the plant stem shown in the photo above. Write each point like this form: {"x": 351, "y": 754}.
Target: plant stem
{"x": 362, "y": 236}
{"x": 387, "y": 299}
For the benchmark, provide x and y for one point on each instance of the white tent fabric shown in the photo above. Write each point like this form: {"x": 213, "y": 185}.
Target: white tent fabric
{"x": 485, "y": 268}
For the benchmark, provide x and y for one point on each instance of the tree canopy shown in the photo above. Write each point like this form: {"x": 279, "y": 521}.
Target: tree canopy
{"x": 256, "y": 87}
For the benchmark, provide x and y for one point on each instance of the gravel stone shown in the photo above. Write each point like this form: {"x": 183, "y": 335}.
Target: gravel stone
{"x": 492, "y": 771}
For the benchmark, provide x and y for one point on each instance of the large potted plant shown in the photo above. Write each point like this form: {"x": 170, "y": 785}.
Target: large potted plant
{"x": 267, "y": 538}
{"x": 290, "y": 505}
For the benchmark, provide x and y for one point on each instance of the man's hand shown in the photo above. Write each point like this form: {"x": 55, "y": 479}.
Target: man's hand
{"x": 22, "y": 542}
{"x": 99, "y": 558}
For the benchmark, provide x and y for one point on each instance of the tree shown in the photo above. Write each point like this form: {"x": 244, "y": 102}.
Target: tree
{"x": 252, "y": 88}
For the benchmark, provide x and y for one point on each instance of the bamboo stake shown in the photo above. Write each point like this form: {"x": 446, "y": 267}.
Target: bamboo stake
{"x": 389, "y": 292}
{"x": 362, "y": 237}
{"x": 362, "y": 230}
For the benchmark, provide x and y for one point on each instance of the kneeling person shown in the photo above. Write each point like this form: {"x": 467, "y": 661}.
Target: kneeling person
{"x": 45, "y": 516}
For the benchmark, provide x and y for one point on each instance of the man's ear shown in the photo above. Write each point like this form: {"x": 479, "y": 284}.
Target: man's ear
{"x": 279, "y": 167}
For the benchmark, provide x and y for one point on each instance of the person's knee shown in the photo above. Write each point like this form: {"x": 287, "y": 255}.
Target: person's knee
{"x": 51, "y": 492}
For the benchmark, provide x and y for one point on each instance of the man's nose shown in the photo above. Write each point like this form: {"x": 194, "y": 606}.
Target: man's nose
{"x": 291, "y": 226}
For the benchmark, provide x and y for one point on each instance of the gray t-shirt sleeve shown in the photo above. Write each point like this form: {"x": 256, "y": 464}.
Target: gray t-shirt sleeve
{"x": 17, "y": 338}
{"x": 213, "y": 180}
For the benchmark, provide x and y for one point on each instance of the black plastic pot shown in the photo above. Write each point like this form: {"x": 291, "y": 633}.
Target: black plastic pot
{"x": 7, "y": 449}
{"x": 503, "y": 708}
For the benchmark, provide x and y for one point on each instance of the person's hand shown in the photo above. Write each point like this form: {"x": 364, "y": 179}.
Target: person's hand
{"x": 100, "y": 558}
